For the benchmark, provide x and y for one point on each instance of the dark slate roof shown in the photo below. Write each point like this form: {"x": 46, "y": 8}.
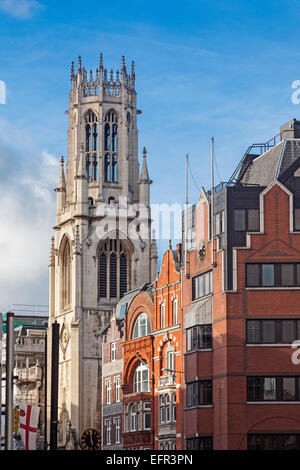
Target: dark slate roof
{"x": 262, "y": 170}
{"x": 176, "y": 260}
{"x": 126, "y": 300}
{"x": 273, "y": 164}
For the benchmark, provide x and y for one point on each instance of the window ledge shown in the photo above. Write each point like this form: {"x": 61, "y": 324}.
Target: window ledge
{"x": 198, "y": 406}
{"x": 198, "y": 350}
{"x": 270, "y": 345}
{"x": 272, "y": 288}
{"x": 287, "y": 402}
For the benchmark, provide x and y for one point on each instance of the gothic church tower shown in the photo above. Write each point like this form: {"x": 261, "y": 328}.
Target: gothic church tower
{"x": 102, "y": 245}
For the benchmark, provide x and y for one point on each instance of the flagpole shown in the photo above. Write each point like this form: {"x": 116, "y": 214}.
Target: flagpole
{"x": 185, "y": 212}
{"x": 10, "y": 320}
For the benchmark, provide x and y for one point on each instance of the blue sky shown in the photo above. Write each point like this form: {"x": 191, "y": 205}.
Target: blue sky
{"x": 203, "y": 69}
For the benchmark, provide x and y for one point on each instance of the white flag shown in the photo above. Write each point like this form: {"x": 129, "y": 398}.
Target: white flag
{"x": 28, "y": 425}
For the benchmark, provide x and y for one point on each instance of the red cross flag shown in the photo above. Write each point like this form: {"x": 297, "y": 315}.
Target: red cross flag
{"x": 29, "y": 418}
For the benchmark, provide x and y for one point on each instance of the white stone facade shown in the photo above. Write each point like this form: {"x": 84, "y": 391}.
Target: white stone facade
{"x": 89, "y": 211}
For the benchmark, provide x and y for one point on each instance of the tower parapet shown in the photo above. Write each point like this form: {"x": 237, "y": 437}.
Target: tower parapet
{"x": 99, "y": 84}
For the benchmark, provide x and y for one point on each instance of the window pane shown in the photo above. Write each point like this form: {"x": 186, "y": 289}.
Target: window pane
{"x": 253, "y": 331}
{"x": 287, "y": 274}
{"x": 268, "y": 331}
{"x": 288, "y": 388}
{"x": 254, "y": 389}
{"x": 267, "y": 275}
{"x": 253, "y": 220}
{"x": 252, "y": 275}
{"x": 290, "y": 442}
{"x": 288, "y": 334}
{"x": 270, "y": 388}
{"x": 298, "y": 274}
{"x": 239, "y": 219}
{"x": 297, "y": 219}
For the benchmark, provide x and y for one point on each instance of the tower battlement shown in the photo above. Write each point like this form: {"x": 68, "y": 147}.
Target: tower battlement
{"x": 102, "y": 82}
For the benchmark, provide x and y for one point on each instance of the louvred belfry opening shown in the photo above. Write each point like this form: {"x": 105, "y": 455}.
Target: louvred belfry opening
{"x": 113, "y": 269}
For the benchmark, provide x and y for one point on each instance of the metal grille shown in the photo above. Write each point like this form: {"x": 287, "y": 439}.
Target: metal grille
{"x": 102, "y": 275}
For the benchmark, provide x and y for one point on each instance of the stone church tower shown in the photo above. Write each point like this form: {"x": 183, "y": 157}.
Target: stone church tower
{"x": 102, "y": 245}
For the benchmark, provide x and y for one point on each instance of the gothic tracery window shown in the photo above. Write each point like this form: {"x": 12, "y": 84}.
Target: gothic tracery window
{"x": 111, "y": 147}
{"x": 66, "y": 276}
{"x": 91, "y": 145}
{"x": 113, "y": 269}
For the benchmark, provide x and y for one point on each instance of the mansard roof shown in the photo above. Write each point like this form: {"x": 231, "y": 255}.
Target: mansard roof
{"x": 276, "y": 163}
{"x": 124, "y": 303}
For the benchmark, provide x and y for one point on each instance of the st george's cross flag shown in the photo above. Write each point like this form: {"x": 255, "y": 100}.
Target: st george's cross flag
{"x": 28, "y": 425}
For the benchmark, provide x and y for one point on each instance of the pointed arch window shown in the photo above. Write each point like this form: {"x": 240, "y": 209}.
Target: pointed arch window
{"x": 66, "y": 276}
{"x": 113, "y": 270}
{"x": 111, "y": 147}
{"x": 91, "y": 145}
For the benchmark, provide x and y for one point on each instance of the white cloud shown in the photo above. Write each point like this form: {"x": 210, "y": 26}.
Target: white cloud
{"x": 23, "y": 9}
{"x": 27, "y": 215}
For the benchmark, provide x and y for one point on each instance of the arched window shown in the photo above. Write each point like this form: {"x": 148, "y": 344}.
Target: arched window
{"x": 141, "y": 382}
{"x": 162, "y": 315}
{"x": 91, "y": 145}
{"x": 113, "y": 270}
{"x": 141, "y": 326}
{"x": 111, "y": 147}
{"x": 66, "y": 276}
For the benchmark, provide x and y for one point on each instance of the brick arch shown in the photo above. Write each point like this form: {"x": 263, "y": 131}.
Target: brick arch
{"x": 264, "y": 420}
{"x": 142, "y": 303}
{"x": 130, "y": 368}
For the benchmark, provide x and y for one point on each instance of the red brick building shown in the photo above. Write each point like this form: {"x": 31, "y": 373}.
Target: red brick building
{"x": 241, "y": 305}
{"x": 138, "y": 380}
{"x": 168, "y": 353}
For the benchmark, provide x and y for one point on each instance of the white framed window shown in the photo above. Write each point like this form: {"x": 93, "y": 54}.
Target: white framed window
{"x": 174, "y": 407}
{"x": 141, "y": 326}
{"x": 147, "y": 420}
{"x": 118, "y": 389}
{"x": 162, "y": 409}
{"x": 168, "y": 411}
{"x": 147, "y": 414}
{"x": 113, "y": 351}
{"x": 117, "y": 430}
{"x": 108, "y": 431}
{"x": 141, "y": 382}
{"x": 108, "y": 391}
{"x": 170, "y": 362}
{"x": 133, "y": 418}
{"x": 175, "y": 311}
{"x": 162, "y": 315}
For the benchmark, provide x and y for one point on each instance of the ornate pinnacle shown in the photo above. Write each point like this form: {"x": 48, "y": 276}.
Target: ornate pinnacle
{"x": 91, "y": 76}
{"x": 79, "y": 64}
{"x": 52, "y": 253}
{"x": 62, "y": 161}
{"x": 132, "y": 70}
{"x": 72, "y": 71}
{"x": 105, "y": 75}
{"x": 101, "y": 62}
{"x": 144, "y": 152}
{"x": 111, "y": 75}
